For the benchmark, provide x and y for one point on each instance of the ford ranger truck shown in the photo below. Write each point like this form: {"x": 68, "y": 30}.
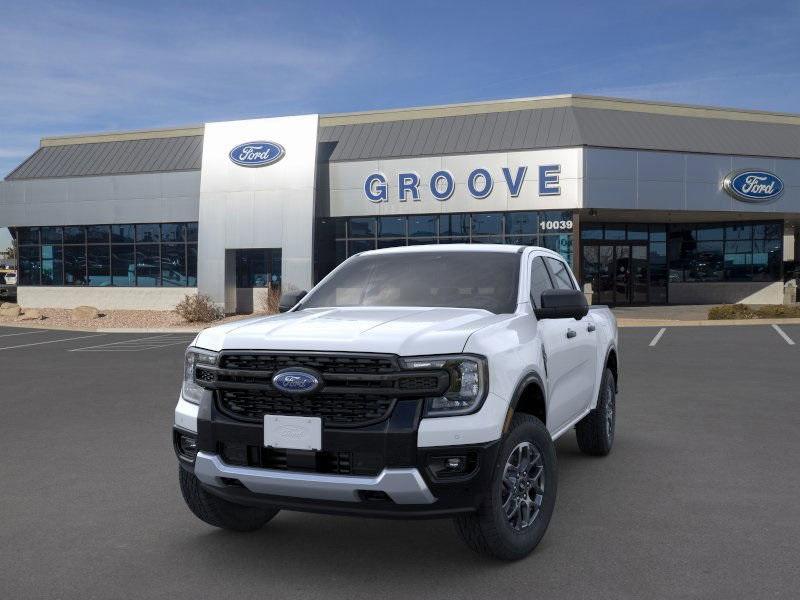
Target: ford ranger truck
{"x": 426, "y": 381}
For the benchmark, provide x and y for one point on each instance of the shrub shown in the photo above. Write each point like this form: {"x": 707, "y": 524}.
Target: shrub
{"x": 198, "y": 308}
{"x": 731, "y": 311}
{"x": 269, "y": 299}
{"x": 747, "y": 311}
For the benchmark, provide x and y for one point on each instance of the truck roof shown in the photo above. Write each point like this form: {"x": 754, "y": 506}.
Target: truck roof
{"x": 509, "y": 248}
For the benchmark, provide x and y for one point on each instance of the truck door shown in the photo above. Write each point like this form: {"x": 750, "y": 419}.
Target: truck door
{"x": 569, "y": 347}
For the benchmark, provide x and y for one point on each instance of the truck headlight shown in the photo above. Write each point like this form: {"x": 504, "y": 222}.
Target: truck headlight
{"x": 469, "y": 382}
{"x": 191, "y": 391}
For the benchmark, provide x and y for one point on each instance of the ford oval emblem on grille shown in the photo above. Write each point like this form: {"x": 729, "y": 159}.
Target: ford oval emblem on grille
{"x": 295, "y": 381}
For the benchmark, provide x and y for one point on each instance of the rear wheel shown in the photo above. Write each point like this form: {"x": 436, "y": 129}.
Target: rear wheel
{"x": 595, "y": 431}
{"x": 218, "y": 512}
{"x": 514, "y": 517}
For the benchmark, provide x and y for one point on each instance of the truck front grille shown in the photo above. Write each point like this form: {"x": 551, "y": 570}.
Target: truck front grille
{"x": 336, "y": 410}
{"x": 356, "y": 389}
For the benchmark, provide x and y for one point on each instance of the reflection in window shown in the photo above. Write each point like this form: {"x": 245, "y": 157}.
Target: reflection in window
{"x": 148, "y": 265}
{"x": 99, "y": 265}
{"x": 173, "y": 265}
{"x": 75, "y": 265}
{"x": 123, "y": 266}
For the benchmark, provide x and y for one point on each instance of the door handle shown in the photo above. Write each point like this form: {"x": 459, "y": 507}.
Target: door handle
{"x": 591, "y": 327}
{"x": 571, "y": 333}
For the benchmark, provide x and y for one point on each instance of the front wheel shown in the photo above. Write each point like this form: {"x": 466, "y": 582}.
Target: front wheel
{"x": 517, "y": 510}
{"x": 218, "y": 512}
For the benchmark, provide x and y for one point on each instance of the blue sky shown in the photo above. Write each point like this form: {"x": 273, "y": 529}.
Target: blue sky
{"x": 74, "y": 67}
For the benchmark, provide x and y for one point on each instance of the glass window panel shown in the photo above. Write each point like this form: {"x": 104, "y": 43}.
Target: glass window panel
{"x": 148, "y": 264}
{"x": 28, "y": 235}
{"x": 123, "y": 266}
{"x": 540, "y": 281}
{"x": 738, "y": 267}
{"x": 52, "y": 265}
{"x": 252, "y": 268}
{"x": 615, "y": 231}
{"x": 522, "y": 223}
{"x": 561, "y": 243}
{"x": 191, "y": 265}
{"x": 173, "y": 265}
{"x": 739, "y": 231}
{"x": 658, "y": 233}
{"x": 29, "y": 264}
{"x": 658, "y": 253}
{"x": 637, "y": 232}
{"x": 173, "y": 232}
{"x": 74, "y": 234}
{"x": 341, "y": 251}
{"x": 454, "y": 225}
{"x": 703, "y": 262}
{"x": 99, "y": 263}
{"x": 148, "y": 232}
{"x": 275, "y": 259}
{"x": 488, "y": 239}
{"x": 97, "y": 234}
{"x": 558, "y": 216}
{"x": 122, "y": 234}
{"x": 391, "y": 243}
{"x": 340, "y": 228}
{"x": 708, "y": 233}
{"x": 560, "y": 274}
{"x": 74, "y": 265}
{"x": 767, "y": 230}
{"x": 487, "y": 224}
{"x": 51, "y": 235}
{"x": 592, "y": 231}
{"x": 392, "y": 227}
{"x": 421, "y": 241}
{"x": 362, "y": 227}
{"x": 739, "y": 247}
{"x": 356, "y": 246}
{"x": 422, "y": 225}
{"x": 454, "y": 240}
{"x": 522, "y": 240}
{"x": 766, "y": 246}
{"x": 191, "y": 232}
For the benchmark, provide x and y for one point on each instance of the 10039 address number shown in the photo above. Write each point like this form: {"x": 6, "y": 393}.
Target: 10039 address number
{"x": 556, "y": 225}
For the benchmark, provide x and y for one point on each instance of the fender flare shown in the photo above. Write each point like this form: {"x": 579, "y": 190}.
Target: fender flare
{"x": 612, "y": 348}
{"x": 527, "y": 379}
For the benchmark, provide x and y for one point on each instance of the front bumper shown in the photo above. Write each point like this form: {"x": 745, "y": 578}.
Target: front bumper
{"x": 387, "y": 474}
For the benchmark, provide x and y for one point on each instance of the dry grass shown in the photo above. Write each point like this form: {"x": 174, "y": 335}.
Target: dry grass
{"x": 753, "y": 311}
{"x": 269, "y": 299}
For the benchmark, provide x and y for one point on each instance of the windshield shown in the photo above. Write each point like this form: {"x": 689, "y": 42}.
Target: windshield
{"x": 486, "y": 280}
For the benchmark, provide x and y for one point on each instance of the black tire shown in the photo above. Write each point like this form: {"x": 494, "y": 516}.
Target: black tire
{"x": 595, "y": 431}
{"x": 489, "y": 531}
{"x": 218, "y": 512}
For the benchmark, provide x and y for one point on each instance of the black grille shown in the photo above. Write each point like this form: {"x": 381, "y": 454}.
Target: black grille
{"x": 324, "y": 363}
{"x": 340, "y": 410}
{"x": 339, "y": 463}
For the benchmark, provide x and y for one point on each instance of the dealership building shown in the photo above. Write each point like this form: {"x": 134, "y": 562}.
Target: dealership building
{"x": 651, "y": 203}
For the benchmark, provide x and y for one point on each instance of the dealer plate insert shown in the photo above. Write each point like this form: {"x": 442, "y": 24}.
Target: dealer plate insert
{"x": 293, "y": 433}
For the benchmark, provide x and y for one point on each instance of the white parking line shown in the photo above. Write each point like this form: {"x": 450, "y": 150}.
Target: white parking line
{"x": 658, "y": 336}
{"x": 24, "y": 333}
{"x": 83, "y": 337}
{"x": 782, "y": 333}
{"x": 137, "y": 344}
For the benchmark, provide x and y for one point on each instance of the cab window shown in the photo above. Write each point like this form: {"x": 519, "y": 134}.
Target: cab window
{"x": 540, "y": 281}
{"x": 560, "y": 273}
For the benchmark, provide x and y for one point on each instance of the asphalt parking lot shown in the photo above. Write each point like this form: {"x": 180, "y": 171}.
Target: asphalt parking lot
{"x": 699, "y": 498}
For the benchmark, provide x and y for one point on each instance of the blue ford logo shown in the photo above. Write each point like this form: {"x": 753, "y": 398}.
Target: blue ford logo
{"x": 257, "y": 154}
{"x": 753, "y": 186}
{"x": 295, "y": 382}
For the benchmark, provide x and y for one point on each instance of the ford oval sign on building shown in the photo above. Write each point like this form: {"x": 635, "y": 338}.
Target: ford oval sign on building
{"x": 753, "y": 186}
{"x": 257, "y": 154}
{"x": 295, "y": 381}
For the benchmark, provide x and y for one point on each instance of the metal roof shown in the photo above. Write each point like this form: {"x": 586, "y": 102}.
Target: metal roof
{"x": 504, "y": 125}
{"x": 182, "y": 153}
{"x": 560, "y": 127}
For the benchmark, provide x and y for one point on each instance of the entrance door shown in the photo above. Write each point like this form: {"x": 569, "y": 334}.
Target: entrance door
{"x": 618, "y": 272}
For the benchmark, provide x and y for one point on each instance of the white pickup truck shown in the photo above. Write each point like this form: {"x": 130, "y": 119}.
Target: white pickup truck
{"x": 425, "y": 381}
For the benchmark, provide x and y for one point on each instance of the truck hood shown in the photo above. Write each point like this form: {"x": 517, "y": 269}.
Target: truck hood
{"x": 403, "y": 331}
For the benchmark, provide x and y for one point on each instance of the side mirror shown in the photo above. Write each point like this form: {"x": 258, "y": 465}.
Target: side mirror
{"x": 562, "y": 304}
{"x": 289, "y": 300}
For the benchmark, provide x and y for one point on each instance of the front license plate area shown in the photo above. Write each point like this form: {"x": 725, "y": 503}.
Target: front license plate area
{"x": 293, "y": 433}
